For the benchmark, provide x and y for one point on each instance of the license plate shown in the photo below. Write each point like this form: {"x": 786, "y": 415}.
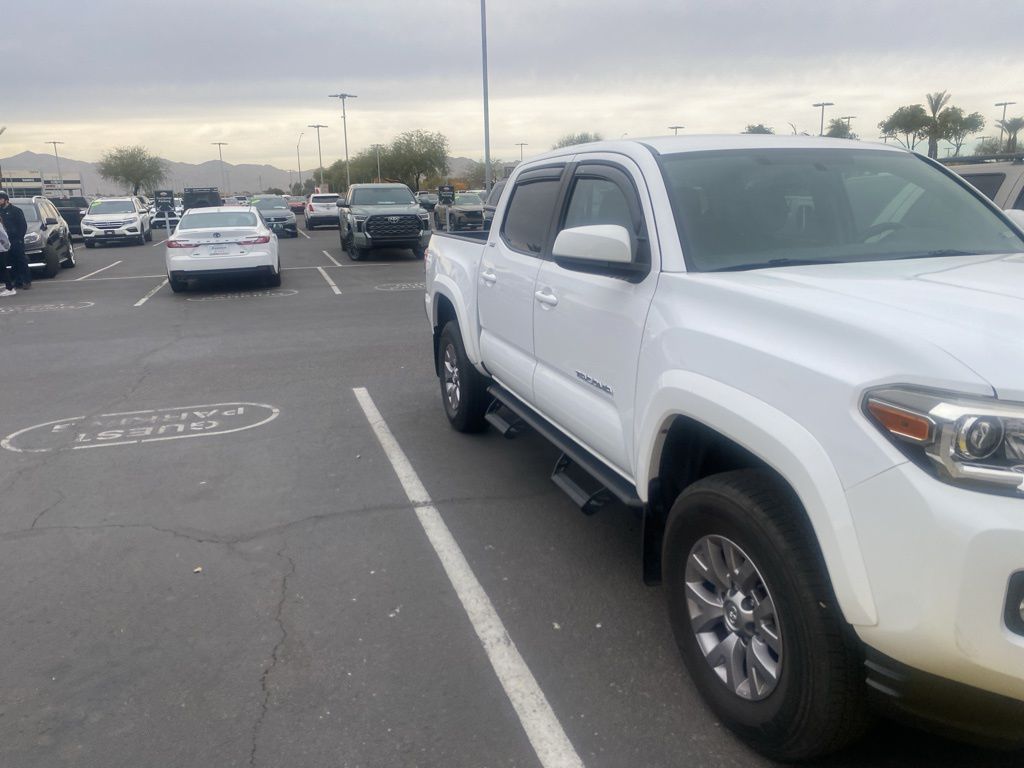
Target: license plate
{"x": 218, "y": 249}
{"x": 108, "y": 232}
{"x": 278, "y": 227}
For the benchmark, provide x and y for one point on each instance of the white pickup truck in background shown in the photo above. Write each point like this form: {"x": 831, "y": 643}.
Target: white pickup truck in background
{"x": 802, "y": 359}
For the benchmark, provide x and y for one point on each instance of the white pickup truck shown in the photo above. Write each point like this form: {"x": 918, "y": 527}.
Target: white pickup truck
{"x": 803, "y": 359}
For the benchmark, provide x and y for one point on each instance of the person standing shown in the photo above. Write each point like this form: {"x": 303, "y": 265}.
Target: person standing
{"x": 5, "y": 249}
{"x": 13, "y": 219}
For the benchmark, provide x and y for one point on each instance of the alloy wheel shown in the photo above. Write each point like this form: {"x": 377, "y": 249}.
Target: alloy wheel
{"x": 452, "y": 385}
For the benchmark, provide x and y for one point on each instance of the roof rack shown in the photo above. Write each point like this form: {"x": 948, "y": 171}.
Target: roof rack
{"x": 1012, "y": 157}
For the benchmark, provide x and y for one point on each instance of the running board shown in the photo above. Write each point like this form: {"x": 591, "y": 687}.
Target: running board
{"x": 505, "y": 427}
{"x": 611, "y": 484}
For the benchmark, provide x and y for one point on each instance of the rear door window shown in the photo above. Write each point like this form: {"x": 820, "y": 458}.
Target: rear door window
{"x": 986, "y": 183}
{"x": 528, "y": 215}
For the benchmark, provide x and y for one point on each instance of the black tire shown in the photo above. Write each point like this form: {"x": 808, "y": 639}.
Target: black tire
{"x": 148, "y": 237}
{"x": 466, "y": 414}
{"x": 818, "y": 704}
{"x": 178, "y": 286}
{"x": 52, "y": 267}
{"x": 310, "y": 226}
{"x": 274, "y": 281}
{"x": 418, "y": 252}
{"x": 89, "y": 244}
{"x": 70, "y": 262}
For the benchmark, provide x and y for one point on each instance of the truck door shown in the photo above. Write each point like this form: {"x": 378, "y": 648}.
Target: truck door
{"x": 508, "y": 272}
{"x": 588, "y": 325}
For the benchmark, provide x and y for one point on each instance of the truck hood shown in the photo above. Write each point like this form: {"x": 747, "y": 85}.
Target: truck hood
{"x": 971, "y": 307}
{"x": 387, "y": 210}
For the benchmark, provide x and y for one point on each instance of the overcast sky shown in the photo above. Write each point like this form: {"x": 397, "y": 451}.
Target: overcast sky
{"x": 255, "y": 73}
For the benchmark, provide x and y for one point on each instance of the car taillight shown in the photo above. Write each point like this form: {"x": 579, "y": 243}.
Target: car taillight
{"x": 255, "y": 240}
{"x": 178, "y": 244}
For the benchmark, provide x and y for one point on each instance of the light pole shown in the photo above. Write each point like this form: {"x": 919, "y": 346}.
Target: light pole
{"x": 676, "y": 129}
{"x": 848, "y": 118}
{"x": 376, "y": 148}
{"x": 1004, "y": 105}
{"x": 521, "y": 144}
{"x": 298, "y": 160}
{"x": 318, "y": 126}
{"x": 487, "y": 114}
{"x": 60, "y": 176}
{"x": 823, "y": 104}
{"x": 2, "y": 129}
{"x": 220, "y": 153}
{"x": 344, "y": 125}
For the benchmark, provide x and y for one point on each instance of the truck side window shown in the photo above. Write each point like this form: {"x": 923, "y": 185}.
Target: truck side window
{"x": 529, "y": 214}
{"x": 597, "y": 201}
{"x": 986, "y": 183}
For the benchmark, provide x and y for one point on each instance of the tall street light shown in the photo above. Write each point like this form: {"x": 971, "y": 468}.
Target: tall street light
{"x": 60, "y": 176}
{"x": 344, "y": 125}
{"x": 1004, "y": 105}
{"x": 487, "y": 114}
{"x": 298, "y": 160}
{"x": 318, "y": 126}
{"x": 848, "y": 118}
{"x": 220, "y": 153}
{"x": 676, "y": 129}
{"x": 823, "y": 104}
{"x": 521, "y": 144}
{"x": 376, "y": 148}
{"x": 2, "y": 129}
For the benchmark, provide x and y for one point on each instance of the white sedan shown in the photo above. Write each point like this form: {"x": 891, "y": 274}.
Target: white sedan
{"x": 218, "y": 242}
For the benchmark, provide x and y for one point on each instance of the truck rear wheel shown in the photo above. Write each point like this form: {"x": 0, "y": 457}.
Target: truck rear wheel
{"x": 463, "y": 388}
{"x": 755, "y": 618}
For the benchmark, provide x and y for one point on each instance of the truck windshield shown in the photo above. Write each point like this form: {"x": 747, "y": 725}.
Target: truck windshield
{"x": 112, "y": 206}
{"x": 385, "y": 196}
{"x": 756, "y": 208}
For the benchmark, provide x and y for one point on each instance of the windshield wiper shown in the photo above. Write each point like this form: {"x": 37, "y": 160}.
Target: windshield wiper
{"x": 774, "y": 263}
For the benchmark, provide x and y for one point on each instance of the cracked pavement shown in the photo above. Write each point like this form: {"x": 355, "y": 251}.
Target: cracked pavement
{"x": 267, "y": 598}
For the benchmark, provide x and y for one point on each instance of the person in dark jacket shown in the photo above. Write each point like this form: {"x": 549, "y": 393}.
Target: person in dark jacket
{"x": 14, "y": 222}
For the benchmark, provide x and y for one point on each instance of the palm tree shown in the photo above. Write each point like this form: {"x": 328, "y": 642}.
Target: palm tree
{"x": 935, "y": 130}
{"x": 1012, "y": 126}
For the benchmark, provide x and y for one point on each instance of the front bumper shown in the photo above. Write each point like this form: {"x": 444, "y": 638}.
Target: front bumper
{"x": 363, "y": 240}
{"x": 97, "y": 233}
{"x": 36, "y": 257}
{"x": 941, "y": 561}
{"x": 322, "y": 218}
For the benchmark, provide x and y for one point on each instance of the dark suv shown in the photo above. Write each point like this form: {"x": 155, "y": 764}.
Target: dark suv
{"x": 48, "y": 244}
{"x": 71, "y": 209}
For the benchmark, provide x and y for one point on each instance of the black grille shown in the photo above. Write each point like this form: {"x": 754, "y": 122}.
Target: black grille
{"x": 393, "y": 226}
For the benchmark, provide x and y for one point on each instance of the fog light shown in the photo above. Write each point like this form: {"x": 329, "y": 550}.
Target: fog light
{"x": 978, "y": 437}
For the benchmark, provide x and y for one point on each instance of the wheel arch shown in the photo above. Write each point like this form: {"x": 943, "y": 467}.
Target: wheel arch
{"x": 749, "y": 432}
{"x": 447, "y": 304}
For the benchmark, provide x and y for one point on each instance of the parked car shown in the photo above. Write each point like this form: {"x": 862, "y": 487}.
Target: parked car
{"x": 48, "y": 245}
{"x": 382, "y": 216}
{"x": 427, "y": 199}
{"x": 200, "y": 197}
{"x": 799, "y": 359}
{"x": 465, "y": 213}
{"x": 275, "y": 211}
{"x": 491, "y": 202}
{"x": 228, "y": 241}
{"x": 321, "y": 208}
{"x": 297, "y": 204}
{"x": 71, "y": 209}
{"x": 1001, "y": 181}
{"x": 116, "y": 220}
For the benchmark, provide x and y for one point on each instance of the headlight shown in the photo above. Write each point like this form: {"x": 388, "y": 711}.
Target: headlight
{"x": 965, "y": 441}
{"x": 32, "y": 237}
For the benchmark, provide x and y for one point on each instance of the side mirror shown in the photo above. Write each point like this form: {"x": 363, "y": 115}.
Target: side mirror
{"x": 341, "y": 203}
{"x": 599, "y": 244}
{"x": 51, "y": 222}
{"x": 1016, "y": 216}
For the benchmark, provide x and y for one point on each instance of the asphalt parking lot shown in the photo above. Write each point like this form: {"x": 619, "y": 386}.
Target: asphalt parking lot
{"x": 208, "y": 558}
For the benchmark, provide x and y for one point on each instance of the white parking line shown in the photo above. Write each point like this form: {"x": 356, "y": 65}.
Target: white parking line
{"x": 546, "y": 735}
{"x": 334, "y": 261}
{"x": 150, "y": 295}
{"x": 334, "y": 286}
{"x": 304, "y": 235}
{"x": 101, "y": 269}
{"x": 159, "y": 242}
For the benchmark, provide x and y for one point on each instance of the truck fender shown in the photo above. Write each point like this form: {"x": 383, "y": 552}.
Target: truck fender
{"x": 443, "y": 285}
{"x": 784, "y": 445}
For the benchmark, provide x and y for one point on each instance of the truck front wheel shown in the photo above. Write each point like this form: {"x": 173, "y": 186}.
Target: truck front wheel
{"x": 463, "y": 388}
{"x": 755, "y": 618}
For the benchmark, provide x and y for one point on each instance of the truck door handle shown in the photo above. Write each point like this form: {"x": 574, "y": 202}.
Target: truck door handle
{"x": 547, "y": 299}
{"x": 489, "y": 277}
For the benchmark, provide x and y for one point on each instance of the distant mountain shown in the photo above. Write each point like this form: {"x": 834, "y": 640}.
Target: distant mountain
{"x": 239, "y": 178}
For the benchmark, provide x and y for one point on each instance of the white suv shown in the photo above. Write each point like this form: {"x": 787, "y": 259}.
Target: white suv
{"x": 116, "y": 220}
{"x": 322, "y": 208}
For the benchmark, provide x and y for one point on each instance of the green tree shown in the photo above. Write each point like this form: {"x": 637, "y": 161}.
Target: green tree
{"x": 474, "y": 176}
{"x": 989, "y": 146}
{"x": 571, "y": 139}
{"x": 958, "y": 126}
{"x": 273, "y": 191}
{"x": 133, "y": 167}
{"x": 1012, "y": 126}
{"x": 936, "y": 129}
{"x": 839, "y": 129}
{"x": 304, "y": 189}
{"x": 414, "y": 155}
{"x": 758, "y": 128}
{"x": 910, "y": 121}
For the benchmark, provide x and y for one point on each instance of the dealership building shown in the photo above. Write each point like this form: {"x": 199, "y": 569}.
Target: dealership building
{"x": 28, "y": 183}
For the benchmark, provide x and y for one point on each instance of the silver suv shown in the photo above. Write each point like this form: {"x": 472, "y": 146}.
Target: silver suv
{"x": 1001, "y": 181}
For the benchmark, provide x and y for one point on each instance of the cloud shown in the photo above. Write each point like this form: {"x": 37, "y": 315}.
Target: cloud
{"x": 256, "y": 73}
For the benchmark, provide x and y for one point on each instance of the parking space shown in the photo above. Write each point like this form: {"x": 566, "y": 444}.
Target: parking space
{"x": 212, "y": 558}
